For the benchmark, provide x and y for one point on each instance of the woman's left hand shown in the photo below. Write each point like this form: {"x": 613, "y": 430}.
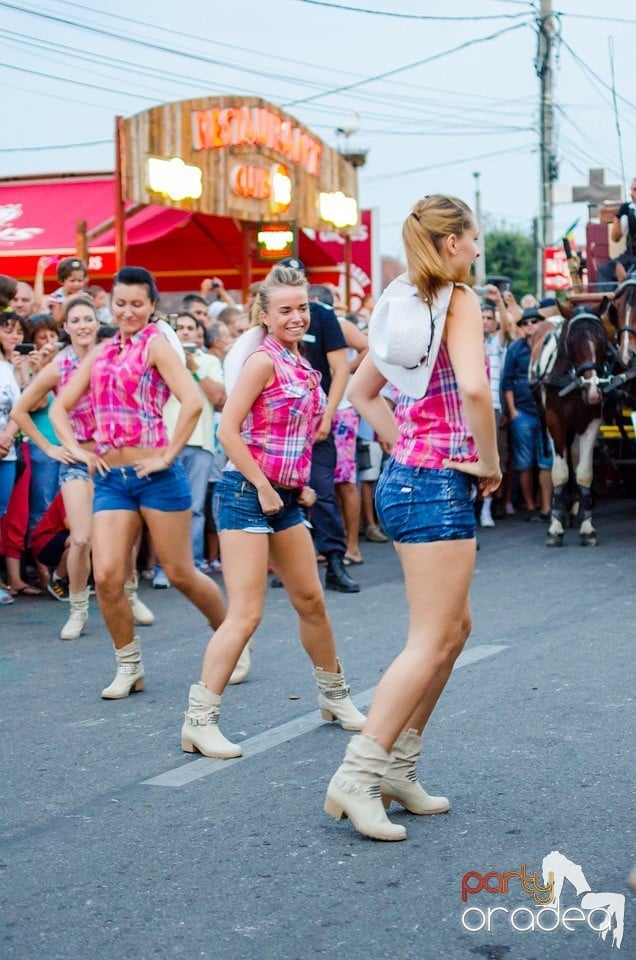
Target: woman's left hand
{"x": 307, "y": 497}
{"x": 488, "y": 476}
{"x": 143, "y": 468}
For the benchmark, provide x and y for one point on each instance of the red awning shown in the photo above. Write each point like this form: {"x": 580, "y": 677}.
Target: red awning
{"x": 39, "y": 217}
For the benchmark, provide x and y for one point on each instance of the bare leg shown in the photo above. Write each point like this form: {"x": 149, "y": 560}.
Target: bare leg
{"x": 545, "y": 490}
{"x": 245, "y": 557}
{"x": 170, "y": 532}
{"x": 525, "y": 483}
{"x": 349, "y": 497}
{"x": 437, "y": 577}
{"x": 114, "y": 532}
{"x": 78, "y": 503}
{"x": 294, "y": 560}
{"x": 367, "y": 491}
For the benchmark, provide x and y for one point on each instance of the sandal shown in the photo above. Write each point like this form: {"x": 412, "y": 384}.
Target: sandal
{"x": 5, "y": 598}
{"x": 26, "y": 591}
{"x": 351, "y": 561}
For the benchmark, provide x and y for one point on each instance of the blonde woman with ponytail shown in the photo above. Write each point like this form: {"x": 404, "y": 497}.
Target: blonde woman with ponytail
{"x": 425, "y": 338}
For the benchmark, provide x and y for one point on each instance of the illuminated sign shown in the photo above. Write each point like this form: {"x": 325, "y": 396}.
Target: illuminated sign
{"x": 174, "y": 178}
{"x": 255, "y": 127}
{"x": 275, "y": 242}
{"x": 338, "y": 209}
{"x": 259, "y": 183}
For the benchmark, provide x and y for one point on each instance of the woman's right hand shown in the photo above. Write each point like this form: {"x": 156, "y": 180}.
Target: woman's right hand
{"x": 269, "y": 500}
{"x": 489, "y": 477}
{"x": 61, "y": 454}
{"x": 94, "y": 462}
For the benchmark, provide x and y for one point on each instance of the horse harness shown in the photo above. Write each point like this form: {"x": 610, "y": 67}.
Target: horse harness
{"x": 574, "y": 378}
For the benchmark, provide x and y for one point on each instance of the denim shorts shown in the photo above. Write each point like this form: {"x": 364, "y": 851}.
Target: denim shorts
{"x": 528, "y": 443}
{"x": 121, "y": 489}
{"x": 73, "y": 471}
{"x": 236, "y": 506}
{"x": 418, "y": 505}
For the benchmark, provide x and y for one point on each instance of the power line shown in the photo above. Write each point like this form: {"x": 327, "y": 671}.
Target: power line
{"x": 446, "y": 163}
{"x": 408, "y": 66}
{"x": 410, "y": 16}
{"x": 56, "y": 146}
{"x": 591, "y": 16}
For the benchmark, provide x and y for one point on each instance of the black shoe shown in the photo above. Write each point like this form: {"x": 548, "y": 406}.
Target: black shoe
{"x": 337, "y": 577}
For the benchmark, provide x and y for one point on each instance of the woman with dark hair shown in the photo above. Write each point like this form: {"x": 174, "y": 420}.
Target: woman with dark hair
{"x": 425, "y": 338}
{"x": 129, "y": 379}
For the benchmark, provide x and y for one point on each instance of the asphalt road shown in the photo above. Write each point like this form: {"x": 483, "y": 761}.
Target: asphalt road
{"x": 116, "y": 844}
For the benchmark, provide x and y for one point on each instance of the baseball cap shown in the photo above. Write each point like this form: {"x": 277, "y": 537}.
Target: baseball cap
{"x": 292, "y": 262}
{"x": 547, "y": 302}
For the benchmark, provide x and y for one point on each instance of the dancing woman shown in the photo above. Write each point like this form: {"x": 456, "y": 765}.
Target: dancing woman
{"x": 129, "y": 379}
{"x": 268, "y": 424}
{"x": 425, "y": 338}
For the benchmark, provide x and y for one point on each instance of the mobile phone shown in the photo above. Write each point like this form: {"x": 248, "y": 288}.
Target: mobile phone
{"x": 189, "y": 347}
{"x": 215, "y": 285}
{"x": 60, "y": 345}
{"x": 25, "y": 348}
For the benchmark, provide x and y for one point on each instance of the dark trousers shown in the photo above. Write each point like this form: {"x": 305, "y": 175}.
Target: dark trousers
{"x": 606, "y": 278}
{"x": 329, "y": 535}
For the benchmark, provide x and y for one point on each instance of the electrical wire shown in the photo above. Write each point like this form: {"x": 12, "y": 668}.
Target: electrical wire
{"x": 408, "y": 66}
{"x": 56, "y": 146}
{"x": 397, "y": 174}
{"x": 409, "y": 16}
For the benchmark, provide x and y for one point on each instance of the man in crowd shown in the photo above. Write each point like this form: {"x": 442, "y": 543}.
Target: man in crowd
{"x": 623, "y": 225}
{"x": 24, "y": 301}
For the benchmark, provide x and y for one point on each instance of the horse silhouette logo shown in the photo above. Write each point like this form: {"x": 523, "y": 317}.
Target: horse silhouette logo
{"x": 612, "y": 904}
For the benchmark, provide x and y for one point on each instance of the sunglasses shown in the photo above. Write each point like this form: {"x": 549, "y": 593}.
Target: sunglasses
{"x": 524, "y": 323}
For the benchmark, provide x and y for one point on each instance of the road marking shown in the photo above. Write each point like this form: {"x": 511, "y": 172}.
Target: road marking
{"x": 204, "y": 766}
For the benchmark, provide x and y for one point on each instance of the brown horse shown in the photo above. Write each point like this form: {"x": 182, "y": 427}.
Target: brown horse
{"x": 569, "y": 391}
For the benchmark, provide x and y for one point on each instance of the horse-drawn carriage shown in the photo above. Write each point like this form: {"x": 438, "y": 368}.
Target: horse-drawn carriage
{"x": 584, "y": 369}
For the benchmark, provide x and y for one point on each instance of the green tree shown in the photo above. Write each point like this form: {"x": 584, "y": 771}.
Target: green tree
{"x": 512, "y": 253}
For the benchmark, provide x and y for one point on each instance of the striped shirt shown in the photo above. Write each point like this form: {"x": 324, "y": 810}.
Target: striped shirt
{"x": 81, "y": 417}
{"x": 433, "y": 429}
{"x": 127, "y": 394}
{"x": 280, "y": 428}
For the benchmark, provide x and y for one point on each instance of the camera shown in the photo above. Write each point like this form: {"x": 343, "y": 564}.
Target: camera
{"x": 189, "y": 347}
{"x": 504, "y": 283}
{"x": 215, "y": 285}
{"x": 24, "y": 348}
{"x": 60, "y": 345}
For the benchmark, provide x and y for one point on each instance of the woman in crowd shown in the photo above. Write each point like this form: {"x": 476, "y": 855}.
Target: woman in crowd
{"x": 129, "y": 379}
{"x": 426, "y": 339}
{"x": 267, "y": 428}
{"x": 10, "y": 336}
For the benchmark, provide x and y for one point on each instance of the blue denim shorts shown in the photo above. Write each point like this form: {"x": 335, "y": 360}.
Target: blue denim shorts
{"x": 418, "y": 505}
{"x": 73, "y": 471}
{"x": 528, "y": 443}
{"x": 121, "y": 489}
{"x": 236, "y": 506}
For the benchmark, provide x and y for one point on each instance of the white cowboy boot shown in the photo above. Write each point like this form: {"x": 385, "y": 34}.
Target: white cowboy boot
{"x": 243, "y": 665}
{"x": 334, "y": 700}
{"x": 200, "y": 729}
{"x": 142, "y": 614}
{"x": 400, "y": 780}
{"x": 130, "y": 672}
{"x": 78, "y": 615}
{"x": 354, "y": 790}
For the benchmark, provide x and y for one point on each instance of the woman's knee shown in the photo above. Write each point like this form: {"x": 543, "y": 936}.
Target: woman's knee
{"x": 81, "y": 541}
{"x": 309, "y": 604}
{"x": 109, "y": 579}
{"x": 244, "y": 622}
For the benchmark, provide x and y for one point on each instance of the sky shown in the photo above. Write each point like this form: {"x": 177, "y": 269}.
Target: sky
{"x": 435, "y": 100}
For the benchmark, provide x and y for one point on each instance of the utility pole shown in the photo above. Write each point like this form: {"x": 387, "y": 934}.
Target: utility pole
{"x": 480, "y": 263}
{"x": 549, "y": 172}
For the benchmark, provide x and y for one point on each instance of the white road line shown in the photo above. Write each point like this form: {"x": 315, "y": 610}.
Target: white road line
{"x": 204, "y": 766}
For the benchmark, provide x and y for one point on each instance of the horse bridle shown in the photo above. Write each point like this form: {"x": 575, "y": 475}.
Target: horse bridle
{"x": 576, "y": 376}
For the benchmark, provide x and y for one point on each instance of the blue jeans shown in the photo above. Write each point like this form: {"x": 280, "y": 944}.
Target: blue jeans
{"x": 121, "y": 489}
{"x": 7, "y": 479}
{"x": 237, "y": 507}
{"x": 417, "y": 505}
{"x": 528, "y": 443}
{"x": 45, "y": 483}
{"x": 197, "y": 464}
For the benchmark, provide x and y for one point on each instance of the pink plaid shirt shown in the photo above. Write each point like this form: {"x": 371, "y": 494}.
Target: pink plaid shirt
{"x": 127, "y": 394}
{"x": 280, "y": 428}
{"x": 82, "y": 417}
{"x": 433, "y": 429}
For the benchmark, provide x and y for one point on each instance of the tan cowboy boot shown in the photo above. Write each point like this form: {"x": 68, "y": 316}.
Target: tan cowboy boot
{"x": 354, "y": 790}
{"x": 200, "y": 731}
{"x": 400, "y": 780}
{"x": 243, "y": 665}
{"x": 334, "y": 700}
{"x": 130, "y": 672}
{"x": 78, "y": 615}
{"x": 142, "y": 615}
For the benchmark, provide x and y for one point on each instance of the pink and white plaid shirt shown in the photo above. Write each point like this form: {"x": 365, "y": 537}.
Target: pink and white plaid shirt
{"x": 127, "y": 394}
{"x": 82, "y": 417}
{"x": 280, "y": 428}
{"x": 433, "y": 429}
